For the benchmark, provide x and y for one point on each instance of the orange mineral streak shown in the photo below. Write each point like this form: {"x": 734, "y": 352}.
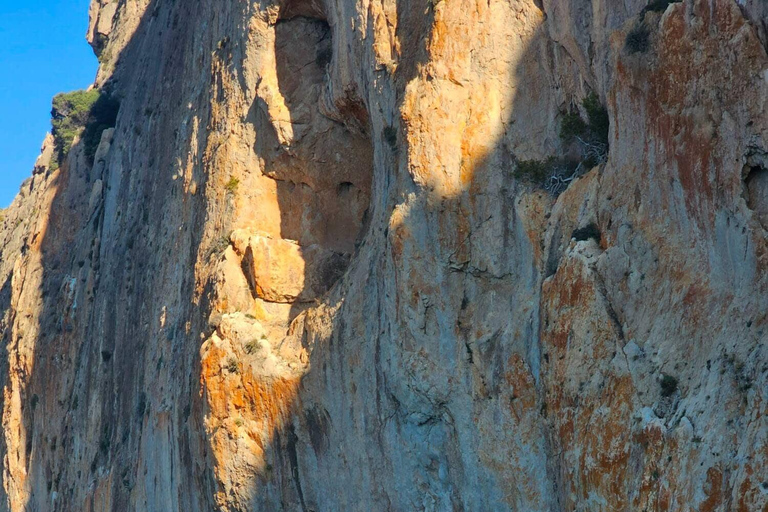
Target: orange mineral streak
{"x": 266, "y": 401}
{"x": 590, "y": 422}
{"x": 244, "y": 412}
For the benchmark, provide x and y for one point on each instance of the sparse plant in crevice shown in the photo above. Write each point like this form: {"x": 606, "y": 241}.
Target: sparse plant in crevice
{"x": 592, "y": 134}
{"x": 221, "y": 244}
{"x": 252, "y": 346}
{"x": 232, "y": 366}
{"x": 598, "y": 123}
{"x": 534, "y": 171}
{"x": 572, "y": 126}
{"x": 638, "y": 39}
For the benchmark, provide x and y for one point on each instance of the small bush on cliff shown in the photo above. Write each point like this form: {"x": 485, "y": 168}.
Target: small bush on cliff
{"x": 232, "y": 366}
{"x": 638, "y": 39}
{"x": 594, "y": 130}
{"x": 668, "y": 385}
{"x": 553, "y": 174}
{"x": 597, "y": 115}
{"x": 534, "y": 171}
{"x": 589, "y": 139}
{"x": 572, "y": 126}
{"x": 85, "y": 113}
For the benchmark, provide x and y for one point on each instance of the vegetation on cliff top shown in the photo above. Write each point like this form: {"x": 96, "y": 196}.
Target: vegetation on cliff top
{"x": 84, "y": 113}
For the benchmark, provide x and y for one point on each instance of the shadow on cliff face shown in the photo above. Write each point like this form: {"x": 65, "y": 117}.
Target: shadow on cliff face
{"x": 438, "y": 330}
{"x": 6, "y": 331}
{"x": 112, "y": 378}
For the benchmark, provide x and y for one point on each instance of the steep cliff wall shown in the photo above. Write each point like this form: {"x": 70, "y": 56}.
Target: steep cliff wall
{"x": 307, "y": 271}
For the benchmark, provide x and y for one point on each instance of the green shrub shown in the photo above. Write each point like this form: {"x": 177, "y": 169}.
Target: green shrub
{"x": 571, "y": 126}
{"x": 597, "y": 115}
{"x": 595, "y": 130}
{"x": 638, "y": 39}
{"x": 555, "y": 174}
{"x": 668, "y": 385}
{"x": 80, "y": 112}
{"x": 532, "y": 171}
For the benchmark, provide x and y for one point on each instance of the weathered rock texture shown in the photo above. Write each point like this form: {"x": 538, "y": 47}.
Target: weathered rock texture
{"x": 301, "y": 273}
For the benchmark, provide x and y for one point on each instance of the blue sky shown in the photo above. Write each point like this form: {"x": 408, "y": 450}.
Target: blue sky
{"x": 43, "y": 52}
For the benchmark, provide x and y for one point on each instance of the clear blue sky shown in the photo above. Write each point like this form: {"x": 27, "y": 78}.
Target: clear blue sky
{"x": 42, "y": 52}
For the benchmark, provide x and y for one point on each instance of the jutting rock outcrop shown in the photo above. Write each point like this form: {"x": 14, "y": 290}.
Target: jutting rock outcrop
{"x": 384, "y": 255}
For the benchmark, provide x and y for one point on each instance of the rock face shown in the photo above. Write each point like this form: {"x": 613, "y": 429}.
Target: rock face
{"x": 303, "y": 272}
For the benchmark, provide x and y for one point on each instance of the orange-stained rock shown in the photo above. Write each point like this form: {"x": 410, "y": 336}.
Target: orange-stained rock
{"x": 307, "y": 270}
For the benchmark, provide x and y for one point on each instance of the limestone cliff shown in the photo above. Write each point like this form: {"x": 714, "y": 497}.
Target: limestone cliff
{"x": 320, "y": 264}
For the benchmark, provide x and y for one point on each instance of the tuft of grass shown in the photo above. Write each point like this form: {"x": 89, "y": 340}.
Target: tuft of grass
{"x": 232, "y": 366}
{"x": 232, "y": 185}
{"x": 252, "y": 346}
